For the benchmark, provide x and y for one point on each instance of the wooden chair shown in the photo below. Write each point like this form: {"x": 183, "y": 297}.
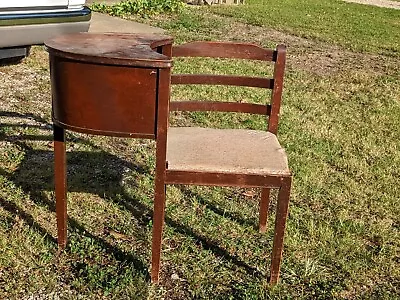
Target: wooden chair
{"x": 227, "y": 157}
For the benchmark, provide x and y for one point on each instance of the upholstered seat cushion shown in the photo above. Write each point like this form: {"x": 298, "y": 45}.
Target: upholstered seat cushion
{"x": 225, "y": 150}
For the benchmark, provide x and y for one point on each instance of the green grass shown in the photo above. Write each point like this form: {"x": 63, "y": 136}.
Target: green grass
{"x": 143, "y": 7}
{"x": 340, "y": 127}
{"x": 350, "y": 25}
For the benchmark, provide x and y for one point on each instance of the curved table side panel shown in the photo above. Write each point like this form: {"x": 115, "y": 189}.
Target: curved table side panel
{"x": 104, "y": 99}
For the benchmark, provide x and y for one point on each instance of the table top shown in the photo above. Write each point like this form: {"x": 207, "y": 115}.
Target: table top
{"x": 128, "y": 49}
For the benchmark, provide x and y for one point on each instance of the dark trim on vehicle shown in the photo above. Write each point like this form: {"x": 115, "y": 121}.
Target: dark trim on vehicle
{"x": 45, "y": 17}
{"x": 30, "y": 8}
{"x": 13, "y": 53}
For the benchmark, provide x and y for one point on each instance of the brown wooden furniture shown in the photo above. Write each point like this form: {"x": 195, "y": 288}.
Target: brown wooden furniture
{"x": 227, "y": 157}
{"x": 107, "y": 84}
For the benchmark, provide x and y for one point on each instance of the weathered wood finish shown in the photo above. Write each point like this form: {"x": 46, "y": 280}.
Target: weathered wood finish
{"x": 265, "y": 181}
{"x": 108, "y": 84}
{"x": 121, "y": 49}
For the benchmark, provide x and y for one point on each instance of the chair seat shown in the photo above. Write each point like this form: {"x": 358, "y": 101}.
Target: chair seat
{"x": 238, "y": 151}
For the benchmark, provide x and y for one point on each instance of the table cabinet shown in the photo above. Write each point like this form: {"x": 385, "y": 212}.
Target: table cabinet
{"x": 107, "y": 84}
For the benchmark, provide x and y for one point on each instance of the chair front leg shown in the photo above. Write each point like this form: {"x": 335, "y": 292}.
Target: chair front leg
{"x": 158, "y": 224}
{"x": 60, "y": 172}
{"x": 280, "y": 225}
{"x": 264, "y": 206}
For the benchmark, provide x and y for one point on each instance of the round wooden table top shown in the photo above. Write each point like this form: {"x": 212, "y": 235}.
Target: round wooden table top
{"x": 128, "y": 49}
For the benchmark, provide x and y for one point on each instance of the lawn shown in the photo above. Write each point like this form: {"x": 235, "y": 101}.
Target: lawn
{"x": 340, "y": 127}
{"x": 352, "y": 26}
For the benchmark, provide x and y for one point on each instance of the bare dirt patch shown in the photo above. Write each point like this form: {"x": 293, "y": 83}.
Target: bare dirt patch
{"x": 380, "y": 3}
{"x": 310, "y": 55}
{"x": 315, "y": 56}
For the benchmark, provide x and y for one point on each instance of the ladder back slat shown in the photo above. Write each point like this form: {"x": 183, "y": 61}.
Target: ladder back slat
{"x": 223, "y": 80}
{"x": 220, "y": 106}
{"x": 223, "y": 50}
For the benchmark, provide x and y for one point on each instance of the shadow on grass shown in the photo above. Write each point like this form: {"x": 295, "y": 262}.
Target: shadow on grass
{"x": 235, "y": 217}
{"x": 100, "y": 173}
{"x": 15, "y": 211}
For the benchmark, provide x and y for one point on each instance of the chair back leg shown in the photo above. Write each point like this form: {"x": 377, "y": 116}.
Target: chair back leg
{"x": 264, "y": 206}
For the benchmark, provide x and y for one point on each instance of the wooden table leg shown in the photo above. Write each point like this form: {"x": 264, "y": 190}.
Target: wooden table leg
{"x": 60, "y": 173}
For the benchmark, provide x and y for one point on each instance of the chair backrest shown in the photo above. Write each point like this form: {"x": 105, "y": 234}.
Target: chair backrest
{"x": 233, "y": 50}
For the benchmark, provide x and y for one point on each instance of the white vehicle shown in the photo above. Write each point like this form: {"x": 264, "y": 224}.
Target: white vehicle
{"x": 30, "y": 22}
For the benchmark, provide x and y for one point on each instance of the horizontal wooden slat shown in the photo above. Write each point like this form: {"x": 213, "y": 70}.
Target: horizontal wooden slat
{"x": 223, "y": 50}
{"x": 220, "y": 106}
{"x": 222, "y": 80}
{"x": 226, "y": 179}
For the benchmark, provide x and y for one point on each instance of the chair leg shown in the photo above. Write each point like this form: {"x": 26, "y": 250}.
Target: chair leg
{"x": 264, "y": 206}
{"x": 280, "y": 224}
{"x": 158, "y": 224}
{"x": 60, "y": 185}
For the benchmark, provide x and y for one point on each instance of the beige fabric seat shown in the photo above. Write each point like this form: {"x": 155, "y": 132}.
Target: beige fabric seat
{"x": 237, "y": 151}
